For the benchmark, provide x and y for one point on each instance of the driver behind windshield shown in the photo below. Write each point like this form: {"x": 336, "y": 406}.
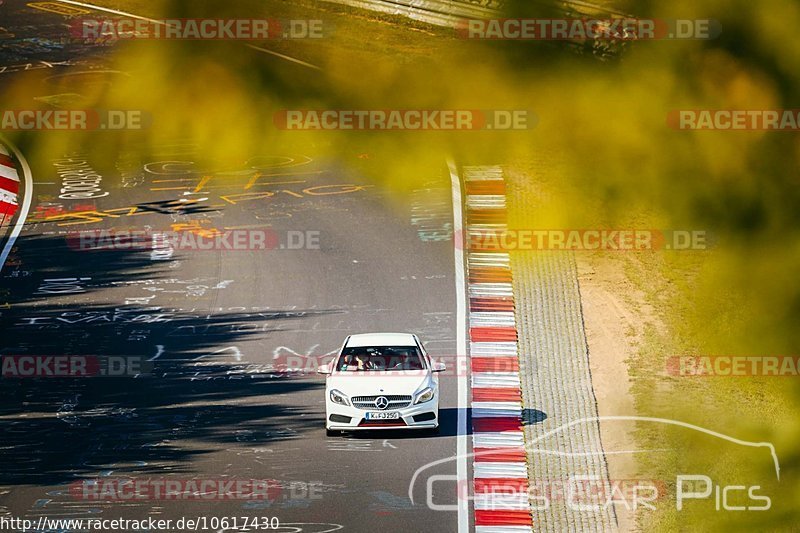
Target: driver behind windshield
{"x": 363, "y": 362}
{"x": 356, "y": 362}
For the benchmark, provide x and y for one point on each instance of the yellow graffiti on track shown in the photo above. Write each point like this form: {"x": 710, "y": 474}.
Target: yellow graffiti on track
{"x": 183, "y": 206}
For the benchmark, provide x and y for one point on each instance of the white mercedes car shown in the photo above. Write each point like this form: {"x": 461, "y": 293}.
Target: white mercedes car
{"x": 381, "y": 380}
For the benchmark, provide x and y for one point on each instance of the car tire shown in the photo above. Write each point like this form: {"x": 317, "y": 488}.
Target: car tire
{"x": 332, "y": 432}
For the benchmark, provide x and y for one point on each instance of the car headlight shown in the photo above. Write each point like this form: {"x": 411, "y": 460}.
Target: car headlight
{"x": 338, "y": 397}
{"x": 425, "y": 395}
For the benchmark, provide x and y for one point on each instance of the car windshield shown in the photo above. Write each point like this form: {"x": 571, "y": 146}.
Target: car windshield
{"x": 380, "y": 358}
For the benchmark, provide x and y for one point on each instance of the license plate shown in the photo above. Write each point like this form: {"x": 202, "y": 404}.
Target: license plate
{"x": 383, "y": 415}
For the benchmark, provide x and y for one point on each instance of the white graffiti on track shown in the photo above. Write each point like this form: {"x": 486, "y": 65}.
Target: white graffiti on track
{"x": 162, "y": 249}
{"x": 220, "y": 329}
{"x": 8, "y": 69}
{"x": 138, "y": 335}
{"x": 163, "y": 315}
{"x": 217, "y": 370}
{"x": 159, "y": 352}
{"x": 193, "y": 288}
{"x": 79, "y": 181}
{"x": 234, "y": 351}
{"x": 282, "y": 351}
{"x": 130, "y": 170}
{"x": 63, "y": 286}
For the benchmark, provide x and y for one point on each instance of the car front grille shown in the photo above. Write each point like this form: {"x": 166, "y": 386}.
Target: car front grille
{"x": 368, "y": 402}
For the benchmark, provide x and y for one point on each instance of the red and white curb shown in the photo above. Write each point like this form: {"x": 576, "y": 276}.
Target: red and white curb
{"x": 500, "y": 468}
{"x": 13, "y": 168}
{"x": 9, "y": 186}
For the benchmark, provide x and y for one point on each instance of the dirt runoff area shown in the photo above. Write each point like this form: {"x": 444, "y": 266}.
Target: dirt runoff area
{"x": 617, "y": 319}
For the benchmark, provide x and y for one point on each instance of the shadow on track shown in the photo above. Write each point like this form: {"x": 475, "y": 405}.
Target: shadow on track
{"x": 448, "y": 426}
{"x": 198, "y": 398}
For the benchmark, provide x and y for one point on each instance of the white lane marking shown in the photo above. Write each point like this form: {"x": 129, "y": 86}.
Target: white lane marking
{"x": 461, "y": 348}
{"x": 283, "y": 56}
{"x": 131, "y": 15}
{"x": 22, "y": 213}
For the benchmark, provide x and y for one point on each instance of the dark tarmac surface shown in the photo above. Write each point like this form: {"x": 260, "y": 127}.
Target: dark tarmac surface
{"x": 215, "y": 325}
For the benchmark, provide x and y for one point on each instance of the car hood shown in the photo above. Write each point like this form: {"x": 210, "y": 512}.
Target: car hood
{"x": 378, "y": 383}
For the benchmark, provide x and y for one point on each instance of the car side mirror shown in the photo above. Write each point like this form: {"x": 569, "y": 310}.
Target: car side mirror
{"x": 324, "y": 369}
{"x": 439, "y": 367}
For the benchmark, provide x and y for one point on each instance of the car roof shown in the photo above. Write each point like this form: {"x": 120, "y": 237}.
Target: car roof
{"x": 382, "y": 339}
